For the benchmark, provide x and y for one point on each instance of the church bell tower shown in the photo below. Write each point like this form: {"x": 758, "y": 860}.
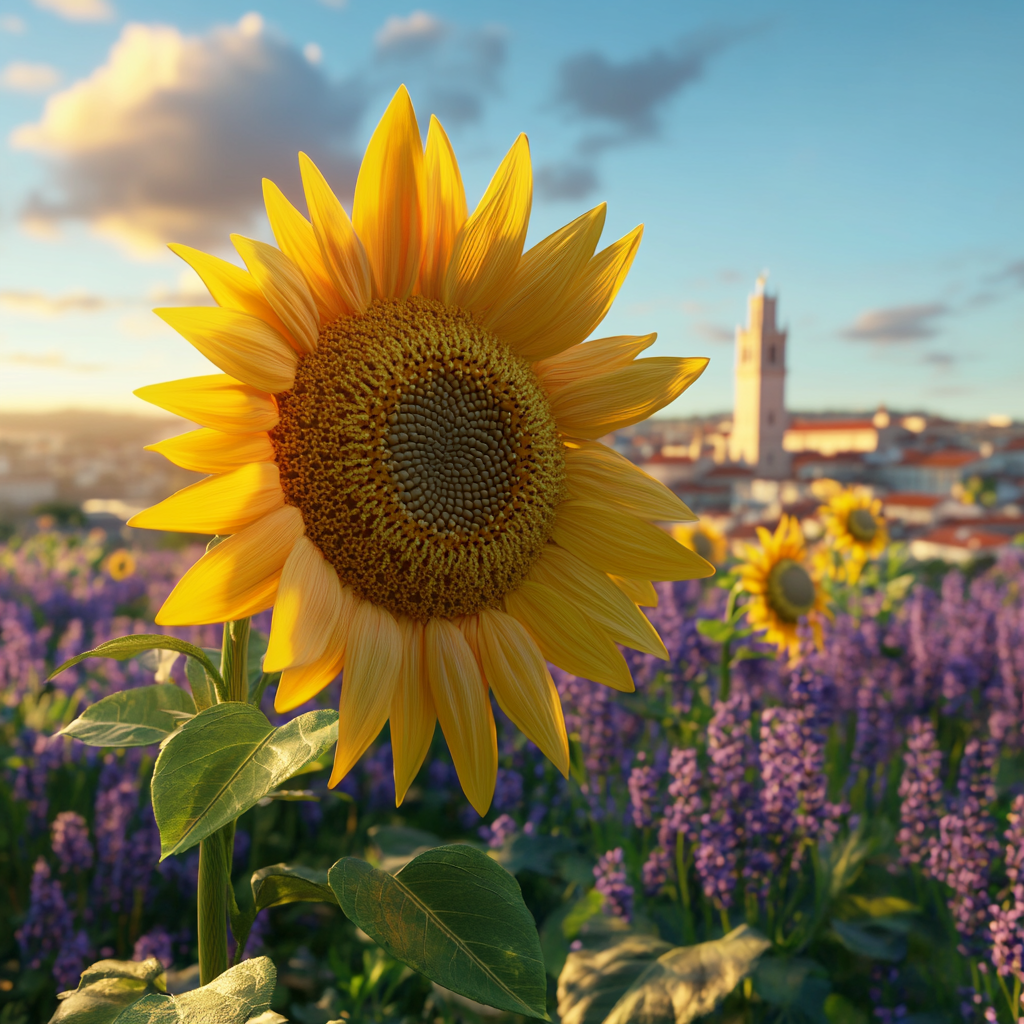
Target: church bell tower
{"x": 759, "y": 417}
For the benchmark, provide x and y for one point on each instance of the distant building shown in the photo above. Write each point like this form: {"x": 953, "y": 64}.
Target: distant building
{"x": 759, "y": 417}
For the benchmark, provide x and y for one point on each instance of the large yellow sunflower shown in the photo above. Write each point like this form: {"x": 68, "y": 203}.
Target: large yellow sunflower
{"x": 855, "y": 528}
{"x": 403, "y": 450}
{"x": 783, "y": 589}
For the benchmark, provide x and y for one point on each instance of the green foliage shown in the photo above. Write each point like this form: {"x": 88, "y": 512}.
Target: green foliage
{"x": 124, "y": 647}
{"x": 457, "y": 917}
{"x": 107, "y": 988}
{"x": 133, "y": 718}
{"x": 279, "y": 884}
{"x": 223, "y": 762}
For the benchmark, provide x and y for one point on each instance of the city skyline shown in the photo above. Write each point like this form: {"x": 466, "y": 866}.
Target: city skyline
{"x": 860, "y": 156}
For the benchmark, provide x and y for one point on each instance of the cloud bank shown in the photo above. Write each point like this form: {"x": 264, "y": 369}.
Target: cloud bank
{"x": 897, "y": 323}
{"x": 168, "y": 140}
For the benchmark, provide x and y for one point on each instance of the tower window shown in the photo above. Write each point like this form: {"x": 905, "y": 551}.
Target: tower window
{"x": 771, "y": 354}
{"x": 771, "y": 418}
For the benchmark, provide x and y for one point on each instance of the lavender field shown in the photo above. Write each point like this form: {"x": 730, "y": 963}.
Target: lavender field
{"x": 862, "y": 807}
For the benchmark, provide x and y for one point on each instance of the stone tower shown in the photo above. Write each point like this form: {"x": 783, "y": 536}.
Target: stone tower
{"x": 759, "y": 418}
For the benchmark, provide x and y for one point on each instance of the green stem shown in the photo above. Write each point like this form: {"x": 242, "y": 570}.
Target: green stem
{"x": 724, "y": 667}
{"x": 689, "y": 935}
{"x": 234, "y": 659}
{"x": 214, "y": 879}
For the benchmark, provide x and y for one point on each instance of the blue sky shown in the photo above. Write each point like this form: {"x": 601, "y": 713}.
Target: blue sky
{"x": 867, "y": 155}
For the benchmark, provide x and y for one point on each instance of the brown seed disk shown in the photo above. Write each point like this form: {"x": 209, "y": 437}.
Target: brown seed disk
{"x": 423, "y": 456}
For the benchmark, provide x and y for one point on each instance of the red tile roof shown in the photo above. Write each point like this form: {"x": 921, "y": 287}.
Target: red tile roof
{"x": 946, "y": 457}
{"x": 965, "y": 537}
{"x": 913, "y": 500}
{"x": 831, "y": 425}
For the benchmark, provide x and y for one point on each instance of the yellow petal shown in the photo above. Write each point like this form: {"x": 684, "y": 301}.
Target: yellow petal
{"x": 617, "y": 542}
{"x": 238, "y": 577}
{"x": 230, "y": 286}
{"x": 594, "y": 472}
{"x": 445, "y": 210}
{"x": 225, "y": 503}
{"x": 412, "y": 710}
{"x": 213, "y": 451}
{"x": 515, "y": 671}
{"x": 241, "y": 345}
{"x": 286, "y": 290}
{"x": 598, "y": 598}
{"x": 297, "y": 240}
{"x": 640, "y": 592}
{"x": 217, "y": 401}
{"x": 585, "y": 304}
{"x": 566, "y": 637}
{"x": 387, "y": 211}
{"x": 544, "y": 275}
{"x": 463, "y": 709}
{"x": 307, "y": 606}
{"x": 340, "y": 248}
{"x": 590, "y": 359}
{"x": 490, "y": 244}
{"x": 598, "y": 405}
{"x": 372, "y": 665}
{"x": 300, "y": 684}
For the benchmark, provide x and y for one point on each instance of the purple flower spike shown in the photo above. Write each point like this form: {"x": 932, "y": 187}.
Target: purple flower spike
{"x": 920, "y": 793}
{"x": 611, "y": 880}
{"x": 70, "y": 840}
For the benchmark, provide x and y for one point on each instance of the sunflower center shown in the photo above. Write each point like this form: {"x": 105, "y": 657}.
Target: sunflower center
{"x": 790, "y": 590}
{"x": 861, "y": 524}
{"x": 423, "y": 457}
{"x": 702, "y": 544}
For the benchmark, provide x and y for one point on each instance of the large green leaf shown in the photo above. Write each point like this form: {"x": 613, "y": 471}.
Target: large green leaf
{"x": 132, "y": 718}
{"x": 873, "y": 940}
{"x": 222, "y": 762}
{"x": 106, "y": 988}
{"x": 279, "y": 884}
{"x": 795, "y": 985}
{"x": 689, "y": 981}
{"x": 204, "y": 686}
{"x": 241, "y": 995}
{"x": 594, "y": 980}
{"x": 455, "y": 916}
{"x": 393, "y": 846}
{"x": 124, "y": 647}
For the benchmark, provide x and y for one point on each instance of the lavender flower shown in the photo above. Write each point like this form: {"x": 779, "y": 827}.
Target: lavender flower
{"x": 1007, "y": 923}
{"x": 48, "y": 922}
{"x": 154, "y": 943}
{"x": 74, "y": 953}
{"x": 508, "y": 790}
{"x": 495, "y": 834}
{"x": 643, "y": 791}
{"x": 966, "y": 846}
{"x": 612, "y": 882}
{"x": 681, "y": 817}
{"x": 920, "y": 792}
{"x": 70, "y": 841}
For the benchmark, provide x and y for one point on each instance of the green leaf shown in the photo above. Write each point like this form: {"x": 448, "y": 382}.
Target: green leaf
{"x": 125, "y": 647}
{"x": 875, "y": 906}
{"x": 839, "y": 1010}
{"x": 870, "y": 940}
{"x": 455, "y": 916}
{"x": 689, "y": 981}
{"x": 222, "y": 762}
{"x": 132, "y": 718}
{"x": 241, "y": 995}
{"x": 715, "y": 630}
{"x": 106, "y": 988}
{"x": 279, "y": 884}
{"x": 563, "y": 925}
{"x": 594, "y": 980}
{"x": 204, "y": 686}
{"x": 795, "y": 984}
{"x": 393, "y": 846}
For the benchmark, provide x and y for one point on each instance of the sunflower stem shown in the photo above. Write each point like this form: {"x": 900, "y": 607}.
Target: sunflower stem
{"x": 724, "y": 667}
{"x": 214, "y": 879}
{"x": 234, "y": 659}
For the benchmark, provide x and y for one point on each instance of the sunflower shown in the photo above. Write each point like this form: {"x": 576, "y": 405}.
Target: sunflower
{"x": 120, "y": 564}
{"x": 855, "y": 527}
{"x": 783, "y": 589}
{"x": 402, "y": 448}
{"x": 703, "y": 538}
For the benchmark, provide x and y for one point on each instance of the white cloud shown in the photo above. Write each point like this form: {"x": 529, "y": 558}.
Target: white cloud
{"x": 313, "y": 53}
{"x": 48, "y": 361}
{"x": 21, "y": 76}
{"x": 12, "y": 23}
{"x": 897, "y": 323}
{"x": 40, "y": 304}
{"x": 418, "y": 31}
{"x": 78, "y": 10}
{"x": 168, "y": 140}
